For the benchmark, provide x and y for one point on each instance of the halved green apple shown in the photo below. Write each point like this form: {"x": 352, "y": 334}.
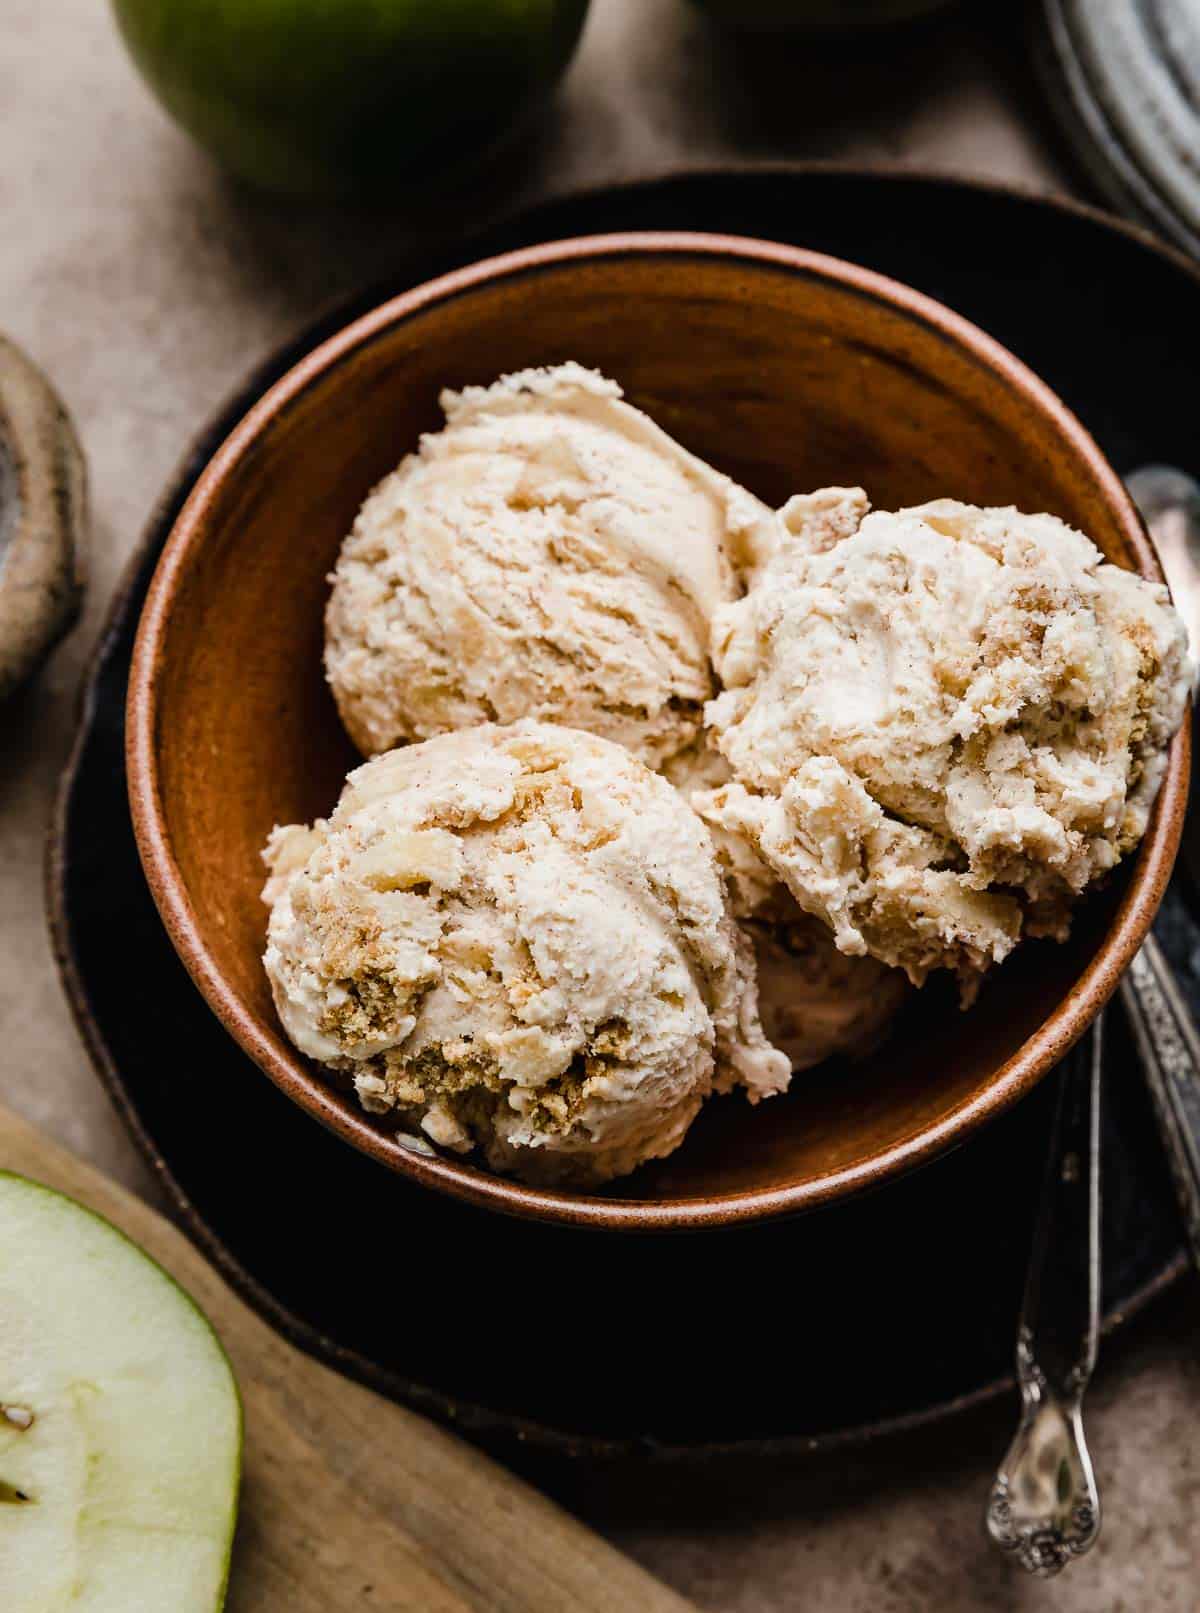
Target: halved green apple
{"x": 120, "y": 1422}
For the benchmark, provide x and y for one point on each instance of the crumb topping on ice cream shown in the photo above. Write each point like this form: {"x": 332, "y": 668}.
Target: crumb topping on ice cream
{"x": 943, "y": 723}
{"x": 518, "y": 939}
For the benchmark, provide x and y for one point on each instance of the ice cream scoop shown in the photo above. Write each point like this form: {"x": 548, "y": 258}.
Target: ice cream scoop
{"x": 550, "y": 553}
{"x": 517, "y": 938}
{"x": 943, "y": 724}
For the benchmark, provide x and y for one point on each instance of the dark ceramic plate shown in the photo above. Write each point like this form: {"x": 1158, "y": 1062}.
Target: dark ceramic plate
{"x": 844, "y": 1323}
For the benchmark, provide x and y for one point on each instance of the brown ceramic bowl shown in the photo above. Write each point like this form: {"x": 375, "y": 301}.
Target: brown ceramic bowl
{"x": 789, "y": 371}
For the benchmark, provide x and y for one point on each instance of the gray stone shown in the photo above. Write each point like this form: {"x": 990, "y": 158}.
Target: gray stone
{"x": 43, "y": 516}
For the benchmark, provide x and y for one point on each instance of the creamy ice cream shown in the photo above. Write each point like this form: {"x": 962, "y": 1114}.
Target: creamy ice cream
{"x": 815, "y": 1002}
{"x": 517, "y": 938}
{"x": 753, "y": 885}
{"x": 942, "y": 723}
{"x": 550, "y": 553}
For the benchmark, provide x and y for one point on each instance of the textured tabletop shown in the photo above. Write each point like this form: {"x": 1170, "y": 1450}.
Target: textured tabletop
{"x": 146, "y": 285}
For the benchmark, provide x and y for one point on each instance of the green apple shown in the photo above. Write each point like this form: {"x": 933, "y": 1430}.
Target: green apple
{"x": 120, "y": 1423}
{"x": 328, "y": 96}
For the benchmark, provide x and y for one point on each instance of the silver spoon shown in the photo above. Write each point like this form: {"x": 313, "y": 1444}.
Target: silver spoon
{"x": 1169, "y": 501}
{"x": 1162, "y": 1023}
{"x": 1044, "y": 1505}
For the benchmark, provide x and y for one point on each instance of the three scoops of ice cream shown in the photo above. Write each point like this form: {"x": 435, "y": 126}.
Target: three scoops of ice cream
{"x": 672, "y": 793}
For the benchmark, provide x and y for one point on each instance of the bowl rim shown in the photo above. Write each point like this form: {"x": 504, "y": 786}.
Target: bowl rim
{"x": 1151, "y": 866}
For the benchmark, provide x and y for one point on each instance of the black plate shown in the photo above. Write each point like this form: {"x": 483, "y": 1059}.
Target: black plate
{"x": 849, "y": 1321}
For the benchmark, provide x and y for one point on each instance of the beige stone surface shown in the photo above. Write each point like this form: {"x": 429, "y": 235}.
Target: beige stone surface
{"x": 147, "y": 284}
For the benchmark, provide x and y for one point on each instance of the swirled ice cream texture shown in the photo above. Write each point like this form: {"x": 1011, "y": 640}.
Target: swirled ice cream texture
{"x": 815, "y": 1002}
{"x": 517, "y": 939}
{"x": 549, "y": 553}
{"x": 943, "y": 723}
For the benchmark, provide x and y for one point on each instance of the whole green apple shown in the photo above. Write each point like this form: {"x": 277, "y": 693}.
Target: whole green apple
{"x": 331, "y": 96}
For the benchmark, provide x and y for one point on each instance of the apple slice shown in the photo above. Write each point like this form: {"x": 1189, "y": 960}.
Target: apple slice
{"x": 120, "y": 1423}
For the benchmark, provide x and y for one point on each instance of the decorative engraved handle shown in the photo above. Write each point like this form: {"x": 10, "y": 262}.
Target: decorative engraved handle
{"x": 1044, "y": 1507}
{"x": 1170, "y": 1051}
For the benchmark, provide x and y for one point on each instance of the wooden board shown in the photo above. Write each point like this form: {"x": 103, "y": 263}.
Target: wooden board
{"x": 349, "y": 1501}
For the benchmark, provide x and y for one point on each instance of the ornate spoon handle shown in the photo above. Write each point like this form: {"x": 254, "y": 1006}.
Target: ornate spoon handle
{"x": 1044, "y": 1506}
{"x": 1170, "y": 1052}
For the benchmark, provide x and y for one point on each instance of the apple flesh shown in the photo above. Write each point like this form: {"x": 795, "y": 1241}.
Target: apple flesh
{"x": 327, "y": 97}
{"x": 120, "y": 1423}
